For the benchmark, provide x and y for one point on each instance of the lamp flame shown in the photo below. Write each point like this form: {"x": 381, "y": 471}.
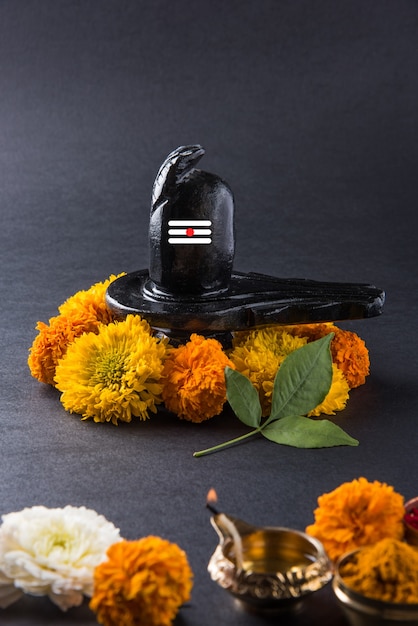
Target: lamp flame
{"x": 211, "y": 499}
{"x": 212, "y": 496}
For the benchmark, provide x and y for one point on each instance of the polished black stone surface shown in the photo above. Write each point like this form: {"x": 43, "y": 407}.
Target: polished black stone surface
{"x": 191, "y": 232}
{"x": 190, "y": 285}
{"x": 251, "y": 300}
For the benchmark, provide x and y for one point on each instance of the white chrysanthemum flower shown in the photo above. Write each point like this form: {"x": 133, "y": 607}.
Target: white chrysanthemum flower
{"x": 52, "y": 552}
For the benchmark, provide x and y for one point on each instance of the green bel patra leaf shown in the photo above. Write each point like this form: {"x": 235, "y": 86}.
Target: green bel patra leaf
{"x": 303, "y": 380}
{"x": 301, "y": 384}
{"x": 243, "y": 398}
{"x": 303, "y": 432}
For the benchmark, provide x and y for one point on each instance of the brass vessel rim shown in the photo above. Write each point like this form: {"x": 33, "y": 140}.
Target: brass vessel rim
{"x": 372, "y": 606}
{"x": 317, "y": 554}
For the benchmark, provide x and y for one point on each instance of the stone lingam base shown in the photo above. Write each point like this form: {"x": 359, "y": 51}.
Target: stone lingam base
{"x": 191, "y": 286}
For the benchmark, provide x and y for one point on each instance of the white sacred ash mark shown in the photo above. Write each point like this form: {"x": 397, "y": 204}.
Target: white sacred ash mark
{"x": 189, "y": 231}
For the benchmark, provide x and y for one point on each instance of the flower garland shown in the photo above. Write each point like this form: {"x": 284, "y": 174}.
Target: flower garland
{"x": 113, "y": 371}
{"x": 71, "y": 553}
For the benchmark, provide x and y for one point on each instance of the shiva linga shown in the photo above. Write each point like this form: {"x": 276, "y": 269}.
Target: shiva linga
{"x": 191, "y": 287}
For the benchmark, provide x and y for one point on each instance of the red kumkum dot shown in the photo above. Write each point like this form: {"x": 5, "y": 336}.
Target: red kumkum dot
{"x": 190, "y": 232}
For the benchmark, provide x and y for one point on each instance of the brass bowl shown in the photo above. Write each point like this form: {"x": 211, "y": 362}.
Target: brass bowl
{"x": 363, "y": 611}
{"x": 411, "y": 533}
{"x": 280, "y": 566}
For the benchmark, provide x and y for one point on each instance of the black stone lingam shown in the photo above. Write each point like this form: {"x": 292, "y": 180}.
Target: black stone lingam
{"x": 191, "y": 230}
{"x": 191, "y": 286}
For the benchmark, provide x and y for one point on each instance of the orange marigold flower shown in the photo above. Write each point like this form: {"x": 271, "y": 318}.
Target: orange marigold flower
{"x": 357, "y": 514}
{"x": 51, "y": 343}
{"x": 142, "y": 582}
{"x": 82, "y": 313}
{"x": 348, "y": 350}
{"x": 351, "y": 356}
{"x": 194, "y": 379}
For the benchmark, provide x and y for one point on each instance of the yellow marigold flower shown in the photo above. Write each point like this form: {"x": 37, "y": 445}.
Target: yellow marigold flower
{"x": 142, "y": 582}
{"x": 348, "y": 350}
{"x": 259, "y": 354}
{"x": 82, "y": 313}
{"x": 91, "y": 302}
{"x": 114, "y": 374}
{"x": 356, "y": 514}
{"x": 194, "y": 379}
{"x": 311, "y": 331}
{"x": 337, "y": 396}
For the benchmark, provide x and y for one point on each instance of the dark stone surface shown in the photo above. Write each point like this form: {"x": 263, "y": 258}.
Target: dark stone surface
{"x": 309, "y": 111}
{"x": 182, "y": 192}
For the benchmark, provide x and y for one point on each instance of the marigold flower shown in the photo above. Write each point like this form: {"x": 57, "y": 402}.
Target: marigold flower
{"x": 350, "y": 354}
{"x": 52, "y": 552}
{"x": 114, "y": 374}
{"x": 82, "y": 313}
{"x": 50, "y": 345}
{"x": 91, "y": 302}
{"x": 348, "y": 350}
{"x": 311, "y": 331}
{"x": 194, "y": 379}
{"x": 259, "y": 354}
{"x": 142, "y": 582}
{"x": 337, "y": 397}
{"x": 356, "y": 514}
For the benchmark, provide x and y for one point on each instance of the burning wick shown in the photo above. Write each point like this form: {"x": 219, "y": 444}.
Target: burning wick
{"x": 227, "y": 526}
{"x": 210, "y": 499}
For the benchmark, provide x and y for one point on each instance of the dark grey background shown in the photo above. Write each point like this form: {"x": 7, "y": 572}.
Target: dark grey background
{"x": 309, "y": 110}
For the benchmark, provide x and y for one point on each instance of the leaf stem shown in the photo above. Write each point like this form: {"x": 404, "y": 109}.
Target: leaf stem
{"x": 227, "y": 443}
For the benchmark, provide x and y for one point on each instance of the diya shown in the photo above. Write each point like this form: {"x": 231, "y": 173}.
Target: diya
{"x": 267, "y": 567}
{"x": 191, "y": 286}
